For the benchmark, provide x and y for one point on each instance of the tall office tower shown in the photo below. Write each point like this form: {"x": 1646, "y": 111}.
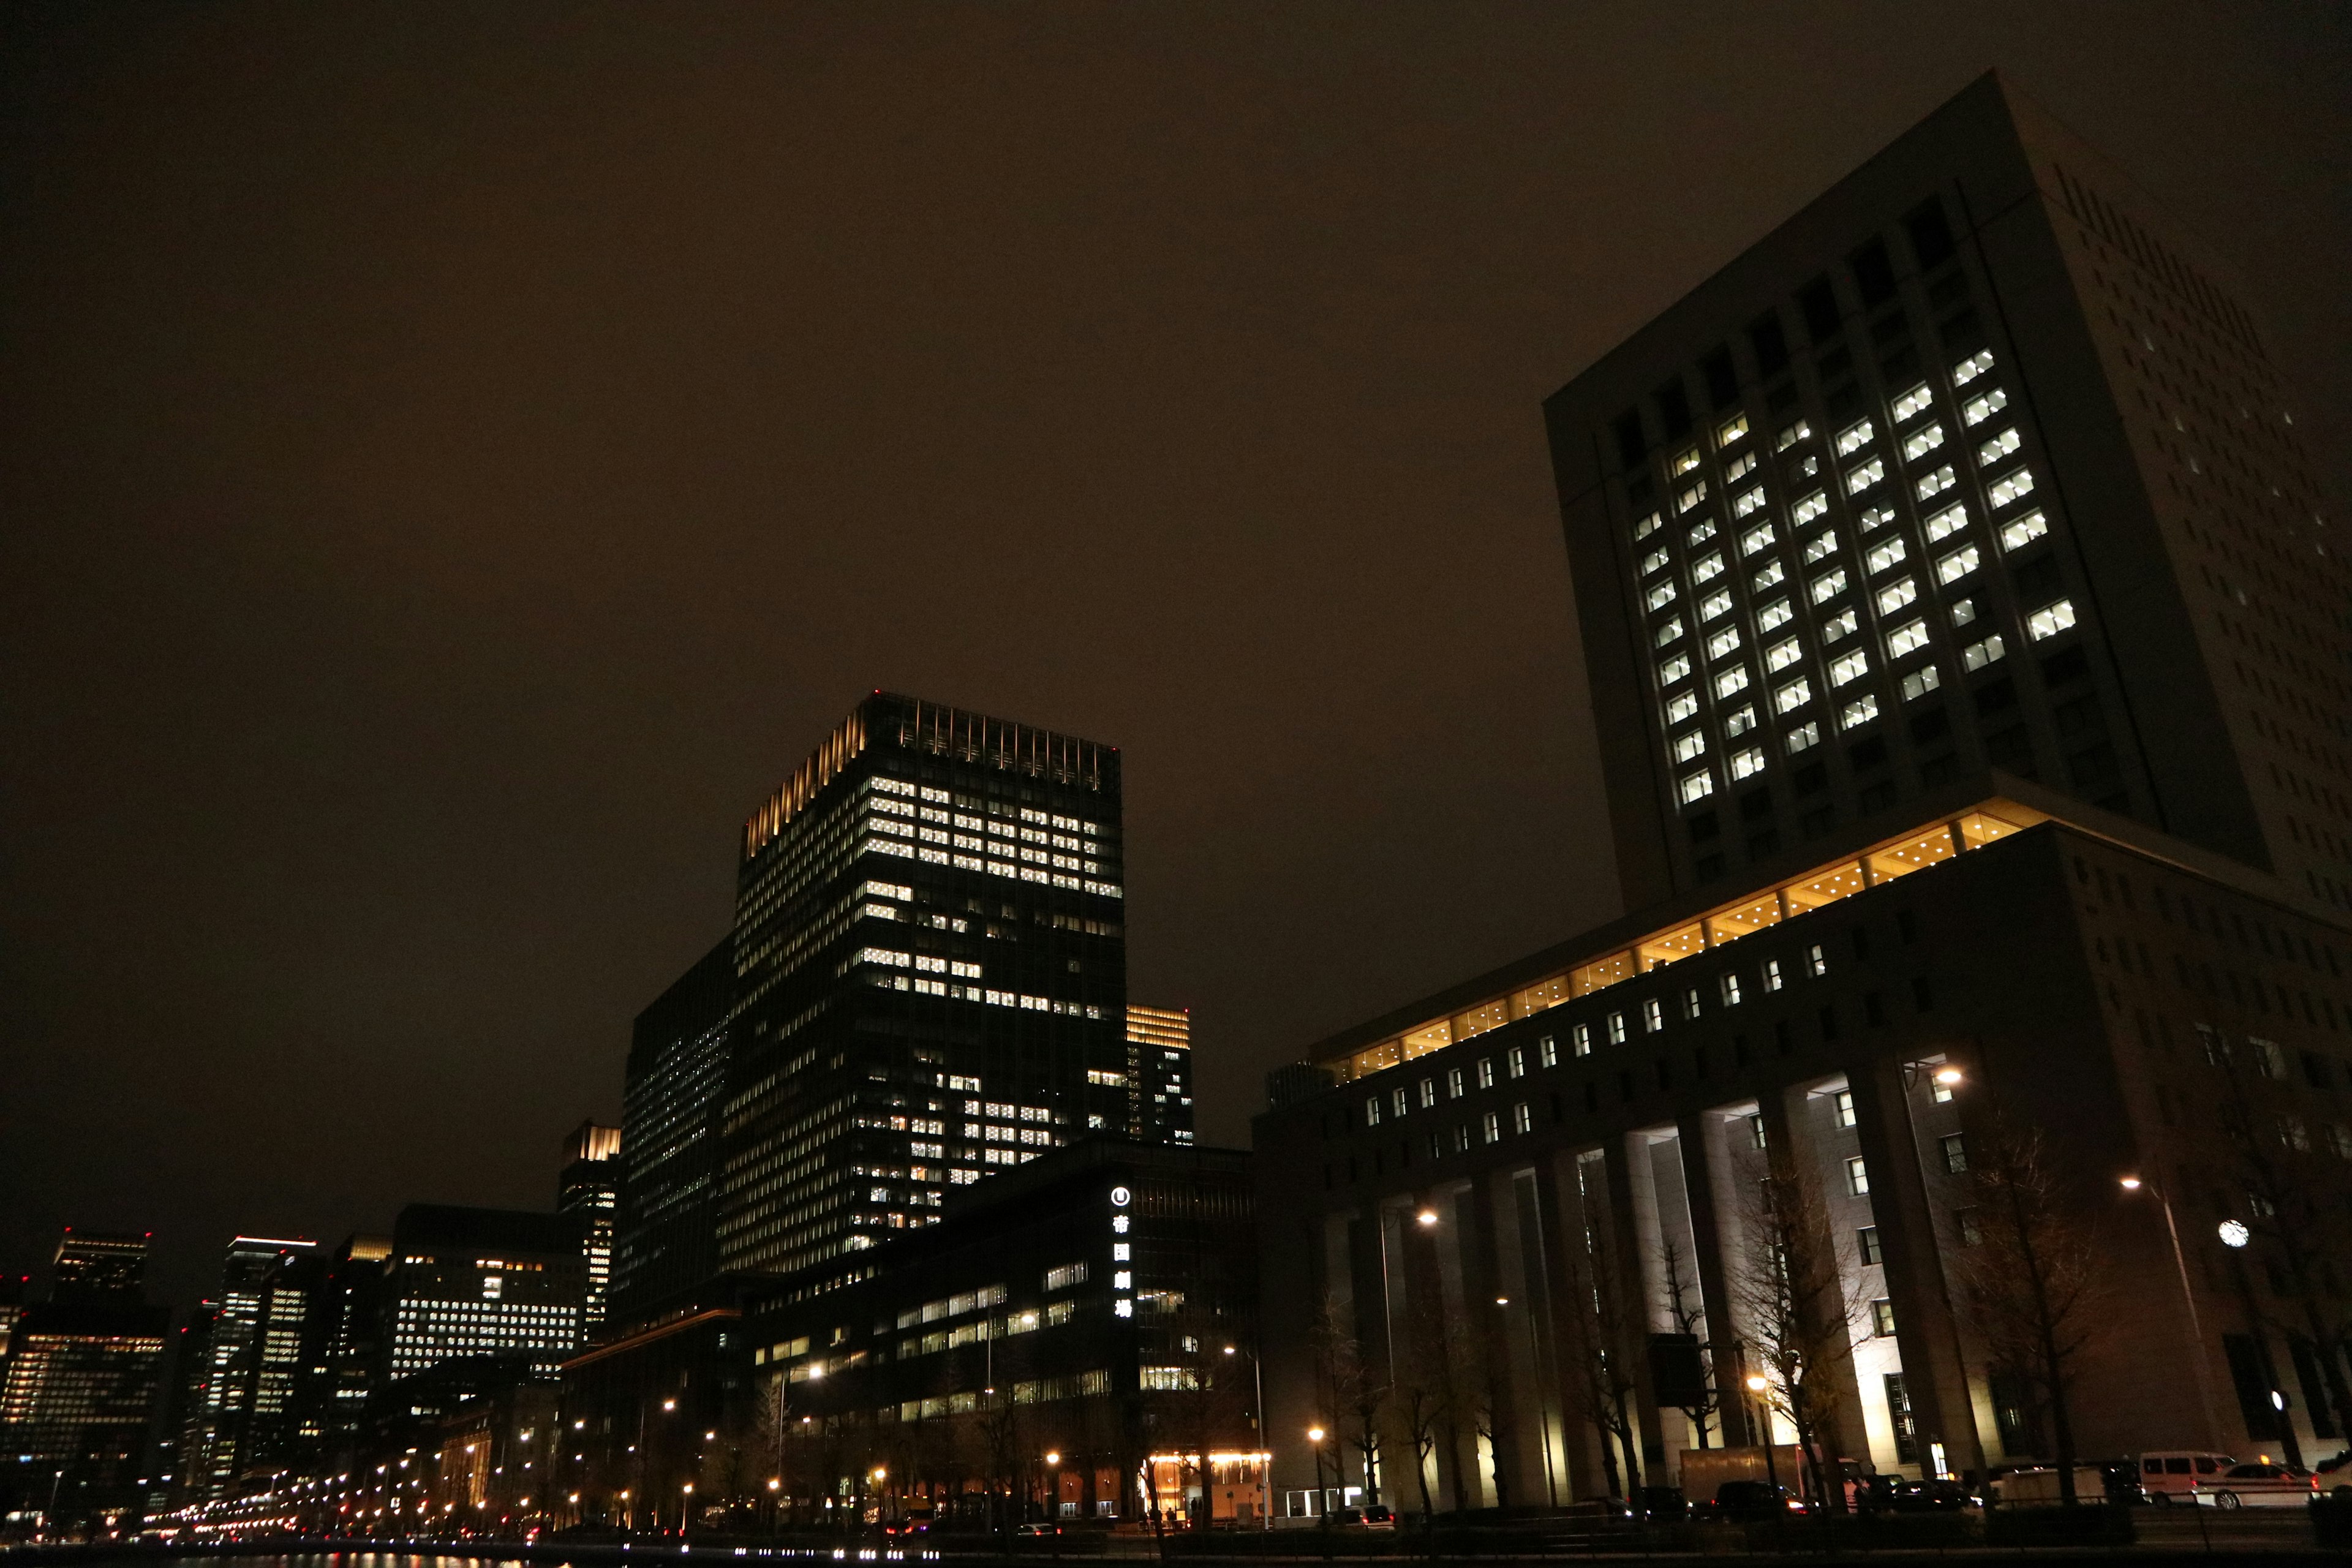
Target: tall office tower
{"x": 590, "y": 1186}
{"x": 665, "y": 1234}
{"x": 359, "y": 1288}
{"x": 78, "y": 1387}
{"x": 1976, "y": 463}
{"x": 931, "y": 976}
{"x": 469, "y": 1282}
{"x": 100, "y": 1265}
{"x": 250, "y": 1350}
{"x": 1159, "y": 1074}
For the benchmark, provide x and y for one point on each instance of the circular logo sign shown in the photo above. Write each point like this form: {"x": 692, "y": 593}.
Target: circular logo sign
{"x": 1118, "y": 1197}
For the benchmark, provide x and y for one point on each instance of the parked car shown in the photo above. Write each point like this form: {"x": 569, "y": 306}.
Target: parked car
{"x": 1036, "y": 1528}
{"x": 2174, "y": 1476}
{"x": 1379, "y": 1516}
{"x": 1750, "y": 1500}
{"x": 2335, "y": 1475}
{"x": 1344, "y": 1517}
{"x": 2261, "y": 1486}
{"x": 1901, "y": 1494}
{"x": 1660, "y": 1504}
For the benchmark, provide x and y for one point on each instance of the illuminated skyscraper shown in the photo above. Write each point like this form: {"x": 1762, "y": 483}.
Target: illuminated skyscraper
{"x": 79, "y": 1382}
{"x": 1159, "y": 1074}
{"x": 931, "y": 976}
{"x": 665, "y": 1235}
{"x": 590, "y": 1186}
{"x": 100, "y": 1265}
{"x": 467, "y": 1282}
{"x": 251, "y": 1350}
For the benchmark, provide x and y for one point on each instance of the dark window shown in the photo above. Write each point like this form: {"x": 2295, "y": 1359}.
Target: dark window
{"x": 1666, "y": 1074}
{"x": 1923, "y": 995}
{"x": 1759, "y": 844}
{"x": 1755, "y": 803}
{"x": 1699, "y": 1061}
{"x": 1931, "y": 235}
{"x": 1819, "y": 308}
{"x": 1709, "y": 866}
{"x": 1782, "y": 398}
{"x": 1930, "y": 722}
{"x": 1810, "y": 778}
{"x": 1907, "y": 926}
{"x": 2012, "y": 748}
{"x": 1702, "y": 827}
{"x": 1771, "y": 345}
{"x": 1861, "y": 944}
{"x": 1818, "y": 821}
{"x": 1873, "y": 273}
{"x": 1901, "y": 366}
{"x": 2036, "y": 580}
{"x": 1631, "y": 446}
{"x": 1739, "y": 1050}
{"x": 1829, "y": 1023}
{"x": 1870, "y": 753}
{"x": 1782, "y": 1039}
{"x": 1866, "y": 1240}
{"x": 1873, "y": 1012}
{"x": 1625, "y": 1085}
{"x": 1994, "y": 696}
{"x": 1878, "y": 795}
{"x": 2066, "y": 665}
{"x": 1558, "y": 1115}
{"x": 1963, "y": 333}
{"x": 1843, "y": 401}
{"x": 1939, "y": 770}
{"x": 1946, "y": 291}
{"x": 1673, "y": 409}
{"x": 1888, "y": 329}
{"x": 1592, "y": 1097}
{"x": 1722, "y": 386}
{"x": 2316, "y": 1073}
{"x": 1834, "y": 361}
{"x": 2075, "y": 716}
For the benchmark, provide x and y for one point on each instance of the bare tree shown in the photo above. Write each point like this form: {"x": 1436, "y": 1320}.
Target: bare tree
{"x": 1426, "y": 1397}
{"x": 1689, "y": 1317}
{"x": 1601, "y": 1382}
{"x": 1796, "y": 1301}
{"x": 2034, "y": 1277}
{"x": 1357, "y": 1391}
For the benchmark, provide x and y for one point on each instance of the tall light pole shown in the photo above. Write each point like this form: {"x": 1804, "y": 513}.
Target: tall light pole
{"x": 1758, "y": 1386}
{"x": 1543, "y": 1407}
{"x": 1265, "y": 1461}
{"x": 2189, "y": 1299}
{"x": 1322, "y": 1497}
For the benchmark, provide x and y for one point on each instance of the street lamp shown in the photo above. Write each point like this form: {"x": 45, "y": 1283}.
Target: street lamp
{"x": 2134, "y": 1183}
{"x": 1257, "y": 1425}
{"x": 1322, "y": 1499}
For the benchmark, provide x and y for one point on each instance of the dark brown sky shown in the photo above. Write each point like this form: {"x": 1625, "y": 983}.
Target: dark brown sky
{"x": 456, "y": 460}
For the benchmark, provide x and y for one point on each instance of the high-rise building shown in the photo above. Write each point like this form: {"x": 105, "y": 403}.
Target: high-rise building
{"x": 79, "y": 1386}
{"x": 1976, "y": 463}
{"x": 252, "y": 1353}
{"x": 1964, "y": 638}
{"x": 1159, "y": 1074}
{"x": 590, "y": 1186}
{"x": 931, "y": 976}
{"x": 665, "y": 1232}
{"x": 100, "y": 1265}
{"x": 469, "y": 1282}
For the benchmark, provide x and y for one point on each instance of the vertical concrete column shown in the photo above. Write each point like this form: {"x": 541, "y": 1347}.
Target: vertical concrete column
{"x": 1927, "y": 1331}
{"x": 1835, "y": 1391}
{"x": 1633, "y": 1271}
{"x": 1698, "y": 1138}
{"x": 1563, "y": 1326}
{"x": 1482, "y": 1279}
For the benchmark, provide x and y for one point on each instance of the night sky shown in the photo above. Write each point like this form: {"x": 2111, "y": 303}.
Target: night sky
{"x": 458, "y": 459}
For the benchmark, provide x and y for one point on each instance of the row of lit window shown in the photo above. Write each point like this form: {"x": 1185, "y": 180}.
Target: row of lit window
{"x": 1616, "y": 1027}
{"x": 954, "y": 992}
{"x": 1065, "y": 878}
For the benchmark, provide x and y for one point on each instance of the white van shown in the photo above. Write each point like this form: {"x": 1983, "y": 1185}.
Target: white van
{"x": 2173, "y": 1476}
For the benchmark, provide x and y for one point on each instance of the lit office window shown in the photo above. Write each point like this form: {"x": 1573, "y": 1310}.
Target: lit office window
{"x": 1739, "y": 721}
{"x": 1921, "y": 681}
{"x": 1516, "y": 1061}
{"x": 1859, "y": 712}
{"x": 1811, "y": 507}
{"x": 1791, "y": 435}
{"x": 1714, "y": 604}
{"x": 1646, "y": 527}
{"x": 1548, "y": 1050}
{"x": 1690, "y": 745}
{"x": 1580, "y": 1037}
{"x": 1746, "y": 503}
{"x": 2000, "y": 446}
{"x": 1707, "y": 568}
{"x": 1685, "y": 460}
{"x": 1723, "y": 642}
{"x": 1908, "y": 637}
{"x": 1772, "y": 573}
{"x": 1774, "y": 616}
{"x": 2014, "y": 487}
{"x": 1978, "y": 409}
{"x": 1655, "y": 561}
{"x": 1942, "y": 525}
{"x": 1829, "y": 585}
{"x": 1842, "y": 1106}
{"x": 1976, "y": 655}
{"x": 1731, "y": 430}
{"x": 1773, "y": 979}
{"x": 2023, "y": 530}
{"x": 1796, "y": 694}
{"x": 1861, "y": 478}
{"x": 1485, "y": 1072}
{"x": 1897, "y": 594}
{"x": 1682, "y": 707}
{"x": 1371, "y": 1119}
{"x": 1669, "y": 631}
{"x": 1956, "y": 1153}
{"x": 1756, "y": 539}
{"x": 1783, "y": 654}
{"x": 1853, "y": 437}
{"x": 1882, "y": 1317}
{"x": 1857, "y": 1177}
{"x": 1922, "y": 441}
{"x": 1802, "y": 738}
{"x": 1727, "y": 987}
{"x": 1936, "y": 483}
{"x": 2049, "y": 619}
{"x": 1661, "y": 595}
{"x": 1912, "y": 402}
{"x": 1654, "y": 1016}
{"x": 1522, "y": 1119}
{"x": 1454, "y": 1088}
{"x": 1816, "y": 961}
{"x": 1675, "y": 668}
{"x": 1866, "y": 1244}
{"x": 1730, "y": 681}
{"x": 1616, "y": 1028}
{"x": 1697, "y": 788}
{"x": 1821, "y": 548}
{"x": 1428, "y": 1093}
{"x": 1746, "y": 764}
{"x": 1885, "y": 553}
{"x": 1975, "y": 365}
{"x": 1849, "y": 668}
{"x": 1492, "y": 1124}
{"x": 1957, "y": 565}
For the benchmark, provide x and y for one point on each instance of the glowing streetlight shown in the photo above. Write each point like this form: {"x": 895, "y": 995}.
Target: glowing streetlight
{"x": 1315, "y": 1434}
{"x": 1427, "y": 1217}
{"x": 1053, "y": 1456}
{"x": 2233, "y": 1233}
{"x": 1948, "y": 1077}
{"x": 669, "y": 1404}
{"x": 2129, "y": 1183}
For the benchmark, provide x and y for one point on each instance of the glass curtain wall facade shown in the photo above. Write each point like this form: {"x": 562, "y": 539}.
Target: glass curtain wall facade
{"x": 931, "y": 976}
{"x": 664, "y": 1242}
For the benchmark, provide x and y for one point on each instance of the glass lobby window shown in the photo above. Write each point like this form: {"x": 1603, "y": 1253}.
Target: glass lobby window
{"x": 1857, "y": 1177}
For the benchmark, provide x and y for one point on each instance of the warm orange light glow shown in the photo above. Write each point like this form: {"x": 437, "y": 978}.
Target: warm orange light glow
{"x": 2131, "y": 1184}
